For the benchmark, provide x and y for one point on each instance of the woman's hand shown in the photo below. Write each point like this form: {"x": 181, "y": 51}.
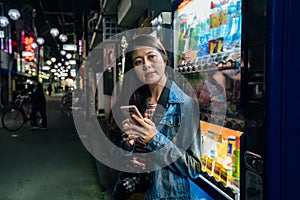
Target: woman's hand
{"x": 145, "y": 131}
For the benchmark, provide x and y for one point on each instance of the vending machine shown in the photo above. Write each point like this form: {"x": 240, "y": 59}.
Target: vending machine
{"x": 223, "y": 59}
{"x": 249, "y": 49}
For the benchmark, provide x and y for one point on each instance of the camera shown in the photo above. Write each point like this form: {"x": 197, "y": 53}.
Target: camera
{"x": 132, "y": 184}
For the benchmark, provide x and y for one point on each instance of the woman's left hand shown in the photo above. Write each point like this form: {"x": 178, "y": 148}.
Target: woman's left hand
{"x": 145, "y": 131}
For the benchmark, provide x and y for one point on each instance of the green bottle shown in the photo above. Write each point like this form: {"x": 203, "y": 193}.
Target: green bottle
{"x": 236, "y": 159}
{"x": 181, "y": 41}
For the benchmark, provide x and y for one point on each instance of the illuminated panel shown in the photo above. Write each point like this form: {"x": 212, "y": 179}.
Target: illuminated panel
{"x": 28, "y": 49}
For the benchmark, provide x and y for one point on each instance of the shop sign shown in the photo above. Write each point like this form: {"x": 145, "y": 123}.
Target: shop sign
{"x": 70, "y": 47}
{"x": 2, "y": 34}
{"x": 28, "y": 54}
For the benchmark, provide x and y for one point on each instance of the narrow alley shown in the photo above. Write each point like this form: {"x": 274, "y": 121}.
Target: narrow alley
{"x": 46, "y": 165}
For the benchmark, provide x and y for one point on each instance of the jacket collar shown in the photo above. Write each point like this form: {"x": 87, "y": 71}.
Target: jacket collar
{"x": 176, "y": 94}
{"x": 170, "y": 94}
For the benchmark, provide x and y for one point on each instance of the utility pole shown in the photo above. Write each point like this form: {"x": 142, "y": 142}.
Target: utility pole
{"x": 35, "y": 37}
{"x": 2, "y": 35}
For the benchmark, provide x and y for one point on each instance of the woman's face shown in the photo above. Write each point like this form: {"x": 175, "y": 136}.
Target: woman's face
{"x": 149, "y": 65}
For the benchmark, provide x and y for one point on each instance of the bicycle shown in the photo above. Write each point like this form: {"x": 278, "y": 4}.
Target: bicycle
{"x": 18, "y": 114}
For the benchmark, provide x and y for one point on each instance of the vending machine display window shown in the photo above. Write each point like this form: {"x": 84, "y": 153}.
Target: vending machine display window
{"x": 207, "y": 44}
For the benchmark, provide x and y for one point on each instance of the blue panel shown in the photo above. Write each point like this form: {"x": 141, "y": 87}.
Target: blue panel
{"x": 283, "y": 100}
{"x": 197, "y": 193}
{"x": 273, "y": 180}
{"x": 290, "y": 102}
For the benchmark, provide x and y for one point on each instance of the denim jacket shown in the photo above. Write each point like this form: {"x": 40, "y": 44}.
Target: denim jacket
{"x": 178, "y": 141}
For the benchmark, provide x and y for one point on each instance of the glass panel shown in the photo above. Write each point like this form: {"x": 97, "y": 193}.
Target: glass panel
{"x": 208, "y": 47}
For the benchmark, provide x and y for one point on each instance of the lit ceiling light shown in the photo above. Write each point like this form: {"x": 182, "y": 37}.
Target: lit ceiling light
{"x": 14, "y": 14}
{"x": 46, "y": 67}
{"x": 54, "y": 32}
{"x": 49, "y": 62}
{"x": 63, "y": 52}
{"x": 3, "y": 21}
{"x": 72, "y": 62}
{"x": 63, "y": 37}
{"x": 40, "y": 40}
{"x": 68, "y": 55}
{"x": 53, "y": 59}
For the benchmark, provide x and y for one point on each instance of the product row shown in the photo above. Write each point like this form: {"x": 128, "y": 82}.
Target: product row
{"x": 221, "y": 154}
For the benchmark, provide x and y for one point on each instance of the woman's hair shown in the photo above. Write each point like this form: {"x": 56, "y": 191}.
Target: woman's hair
{"x": 139, "y": 96}
{"x": 143, "y": 40}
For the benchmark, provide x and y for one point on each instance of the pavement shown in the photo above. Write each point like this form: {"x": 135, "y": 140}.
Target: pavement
{"x": 52, "y": 164}
{"x": 55, "y": 164}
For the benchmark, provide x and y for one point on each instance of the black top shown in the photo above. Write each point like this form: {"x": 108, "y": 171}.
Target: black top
{"x": 38, "y": 96}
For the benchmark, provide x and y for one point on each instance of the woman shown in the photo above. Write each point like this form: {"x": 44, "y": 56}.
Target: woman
{"x": 168, "y": 137}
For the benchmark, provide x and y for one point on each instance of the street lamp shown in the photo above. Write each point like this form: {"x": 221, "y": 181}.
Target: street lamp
{"x": 54, "y": 32}
{"x": 3, "y": 21}
{"x": 14, "y": 14}
{"x": 40, "y": 41}
{"x": 63, "y": 37}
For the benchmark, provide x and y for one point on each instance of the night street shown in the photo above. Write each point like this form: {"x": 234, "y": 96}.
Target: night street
{"x": 46, "y": 165}
{"x": 215, "y": 83}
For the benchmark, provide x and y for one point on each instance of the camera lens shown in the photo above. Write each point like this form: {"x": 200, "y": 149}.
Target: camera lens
{"x": 127, "y": 186}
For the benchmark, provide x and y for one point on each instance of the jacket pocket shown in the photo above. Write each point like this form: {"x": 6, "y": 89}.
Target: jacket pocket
{"x": 169, "y": 125}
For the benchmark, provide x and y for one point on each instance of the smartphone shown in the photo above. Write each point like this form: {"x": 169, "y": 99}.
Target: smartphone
{"x": 129, "y": 110}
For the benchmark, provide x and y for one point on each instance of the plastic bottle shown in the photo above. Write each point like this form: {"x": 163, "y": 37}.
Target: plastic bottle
{"x": 215, "y": 19}
{"x": 215, "y": 28}
{"x": 209, "y": 146}
{"x": 186, "y": 39}
{"x": 209, "y": 143}
{"x": 217, "y": 171}
{"x": 203, "y": 162}
{"x": 236, "y": 159}
{"x": 195, "y": 32}
{"x": 203, "y": 37}
{"x": 229, "y": 177}
{"x": 231, "y": 145}
{"x": 211, "y": 162}
{"x": 230, "y": 28}
{"x": 223, "y": 19}
{"x": 183, "y": 27}
{"x": 223, "y": 175}
{"x": 237, "y": 37}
